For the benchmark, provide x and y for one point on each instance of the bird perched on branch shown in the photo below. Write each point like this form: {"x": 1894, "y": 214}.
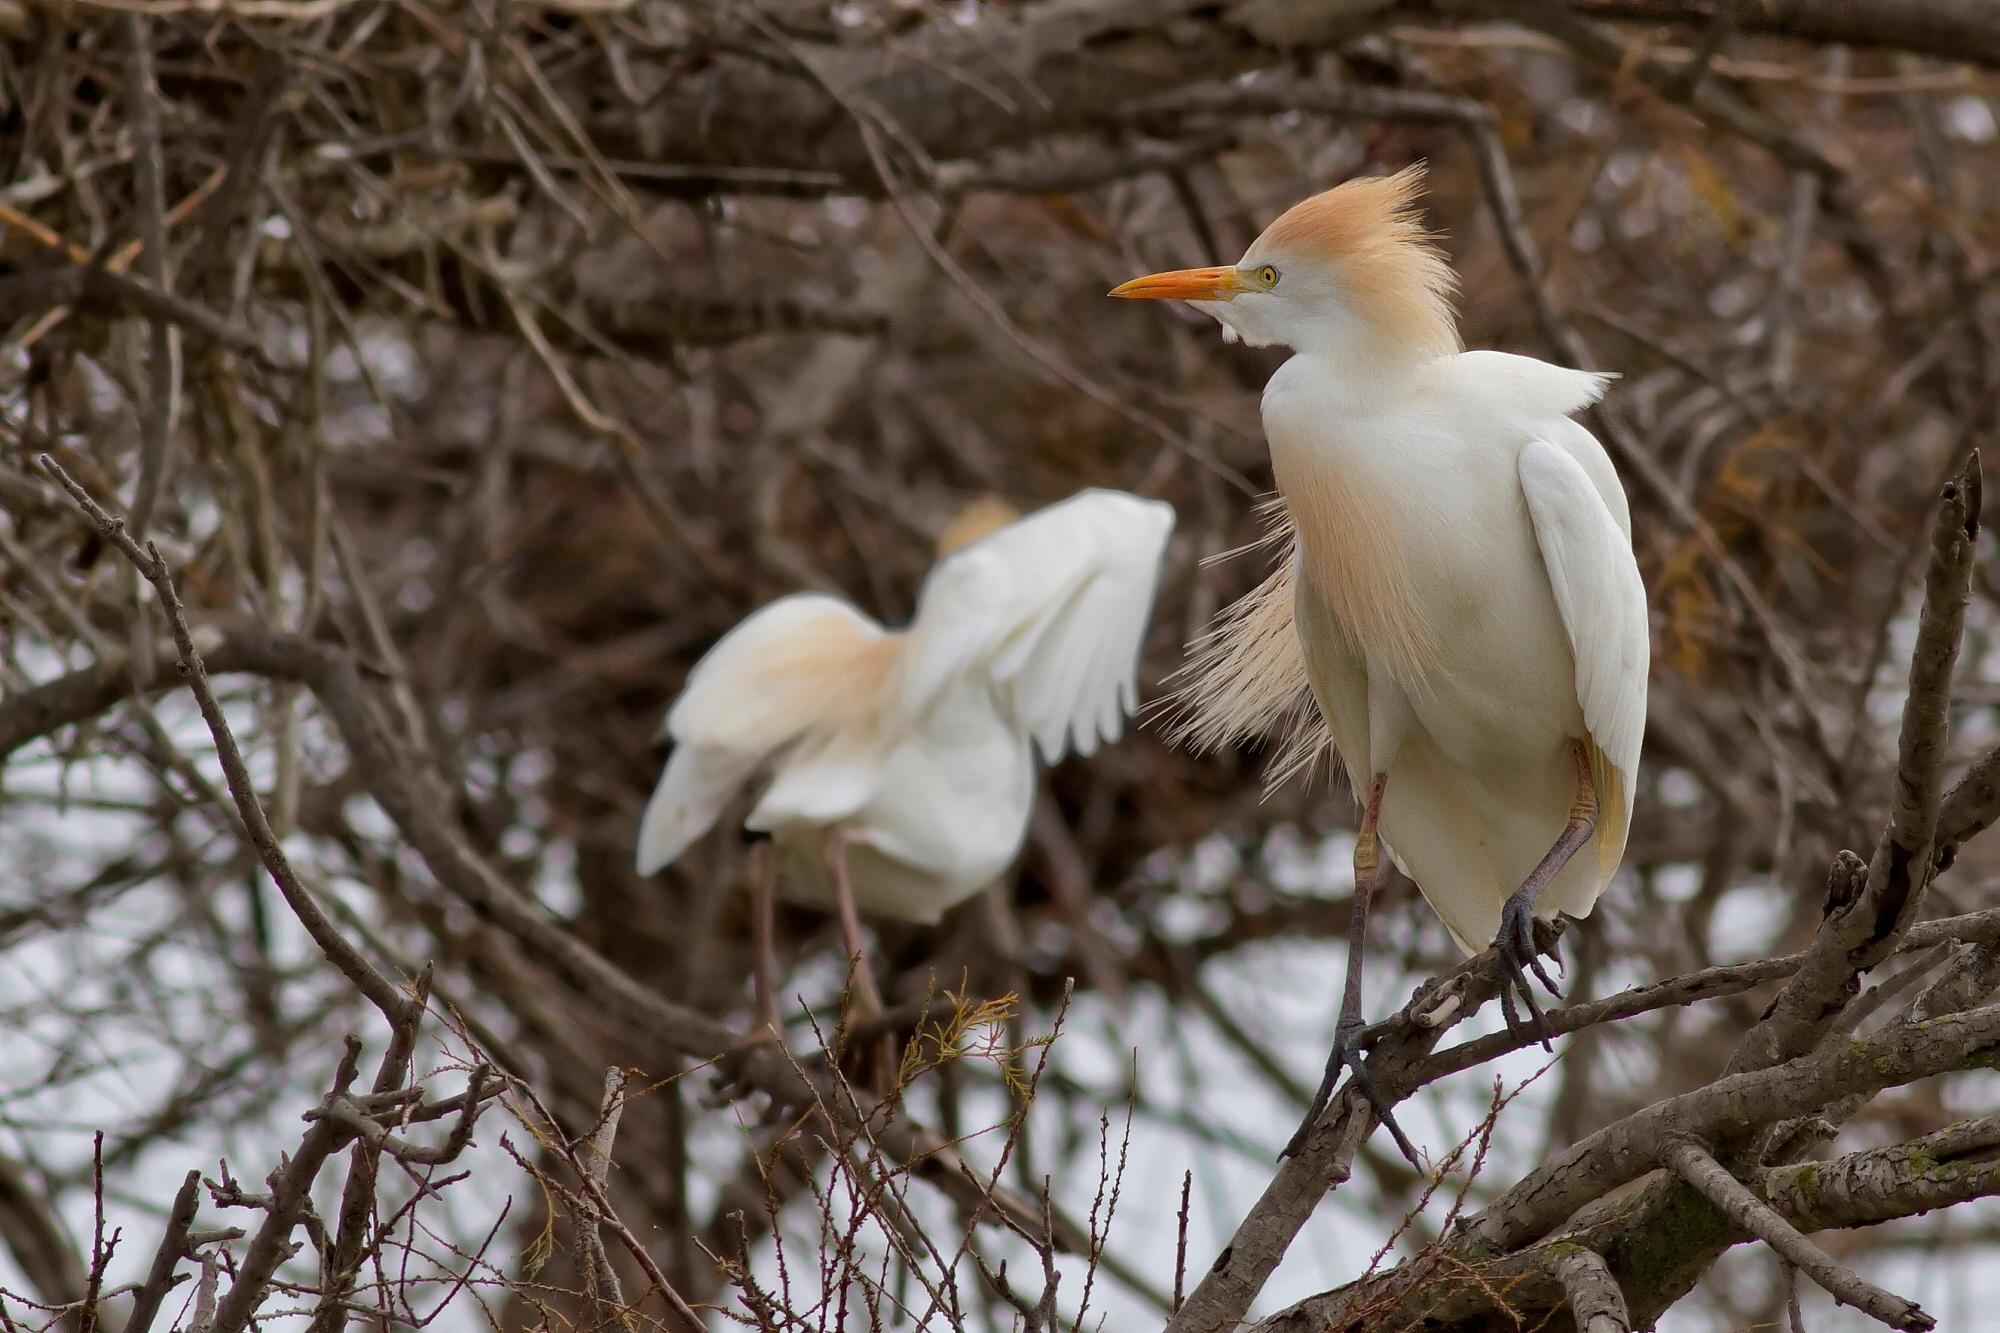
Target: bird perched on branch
{"x": 898, "y": 766}
{"x": 1460, "y": 596}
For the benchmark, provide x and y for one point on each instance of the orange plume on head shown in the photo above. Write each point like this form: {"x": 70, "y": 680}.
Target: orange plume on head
{"x": 1371, "y": 231}
{"x": 975, "y": 521}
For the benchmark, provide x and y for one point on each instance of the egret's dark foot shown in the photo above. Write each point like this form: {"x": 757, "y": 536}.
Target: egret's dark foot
{"x": 1515, "y": 945}
{"x": 1347, "y": 1055}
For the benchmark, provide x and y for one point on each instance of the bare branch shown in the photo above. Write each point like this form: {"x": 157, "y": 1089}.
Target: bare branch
{"x": 1948, "y": 29}
{"x": 288, "y": 1205}
{"x": 1693, "y": 1164}
{"x": 1880, "y": 1184}
{"x": 157, "y": 422}
{"x": 1705, "y": 96}
{"x": 1628, "y": 1149}
{"x": 173, "y": 1248}
{"x": 647, "y": 326}
{"x": 345, "y": 1114}
{"x": 1085, "y": 170}
{"x": 1594, "y": 1297}
{"x": 383, "y": 994}
{"x": 1862, "y": 928}
{"x": 600, "y": 1279}
{"x": 90, "y": 285}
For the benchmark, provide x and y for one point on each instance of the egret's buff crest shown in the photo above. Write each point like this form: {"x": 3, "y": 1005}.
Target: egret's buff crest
{"x": 986, "y": 514}
{"x": 1371, "y": 231}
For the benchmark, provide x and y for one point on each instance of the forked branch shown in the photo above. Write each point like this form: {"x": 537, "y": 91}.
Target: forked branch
{"x": 1692, "y": 1163}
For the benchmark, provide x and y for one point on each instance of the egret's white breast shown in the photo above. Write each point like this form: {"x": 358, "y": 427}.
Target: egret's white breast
{"x": 1427, "y": 619}
{"x": 1416, "y": 538}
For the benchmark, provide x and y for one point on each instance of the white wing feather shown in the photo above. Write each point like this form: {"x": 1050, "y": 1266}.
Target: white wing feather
{"x": 1600, "y": 598}
{"x": 1053, "y": 610}
{"x": 750, "y": 696}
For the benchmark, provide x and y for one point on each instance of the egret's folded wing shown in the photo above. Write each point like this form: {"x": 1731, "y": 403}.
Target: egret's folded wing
{"x": 697, "y": 783}
{"x": 1600, "y": 598}
{"x": 1052, "y": 610}
{"x": 804, "y": 668}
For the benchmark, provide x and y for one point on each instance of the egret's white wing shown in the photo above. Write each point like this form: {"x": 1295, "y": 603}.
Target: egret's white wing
{"x": 697, "y": 783}
{"x": 1052, "y": 611}
{"x": 1600, "y": 598}
{"x": 806, "y": 667}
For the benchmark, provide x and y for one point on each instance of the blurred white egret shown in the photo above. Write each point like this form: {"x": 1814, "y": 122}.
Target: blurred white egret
{"x": 899, "y": 765}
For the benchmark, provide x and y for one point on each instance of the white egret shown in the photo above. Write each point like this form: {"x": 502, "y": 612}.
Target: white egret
{"x": 1461, "y": 598}
{"x": 898, "y": 766}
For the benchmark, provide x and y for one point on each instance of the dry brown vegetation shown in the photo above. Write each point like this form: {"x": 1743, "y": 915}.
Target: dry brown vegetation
{"x": 473, "y": 365}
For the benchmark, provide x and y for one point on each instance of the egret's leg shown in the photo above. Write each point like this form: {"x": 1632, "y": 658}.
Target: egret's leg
{"x": 867, "y": 999}
{"x": 1516, "y": 941}
{"x": 764, "y": 863}
{"x": 1347, "y": 1031}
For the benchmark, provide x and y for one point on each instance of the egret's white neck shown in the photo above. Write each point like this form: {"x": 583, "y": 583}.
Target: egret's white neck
{"x": 1355, "y": 369}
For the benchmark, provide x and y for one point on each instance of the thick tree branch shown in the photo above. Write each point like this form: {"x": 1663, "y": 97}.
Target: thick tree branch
{"x": 1970, "y": 808}
{"x": 35, "y": 1238}
{"x": 1637, "y": 1239}
{"x": 1594, "y": 1297}
{"x": 1238, "y": 1274}
{"x": 1624, "y": 1151}
{"x": 952, "y": 92}
{"x": 1951, "y": 1166}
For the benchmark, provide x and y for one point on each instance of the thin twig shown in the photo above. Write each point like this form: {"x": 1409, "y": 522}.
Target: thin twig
{"x": 157, "y": 422}
{"x": 381, "y": 992}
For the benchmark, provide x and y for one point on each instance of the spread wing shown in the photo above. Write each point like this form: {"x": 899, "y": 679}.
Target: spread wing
{"x": 1600, "y": 598}
{"x": 794, "y": 678}
{"x": 1052, "y": 611}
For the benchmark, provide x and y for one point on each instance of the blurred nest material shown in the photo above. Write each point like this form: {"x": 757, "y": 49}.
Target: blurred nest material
{"x": 518, "y": 350}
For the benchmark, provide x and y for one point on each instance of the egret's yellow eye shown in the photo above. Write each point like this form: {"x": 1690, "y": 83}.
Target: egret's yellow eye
{"x": 1268, "y": 276}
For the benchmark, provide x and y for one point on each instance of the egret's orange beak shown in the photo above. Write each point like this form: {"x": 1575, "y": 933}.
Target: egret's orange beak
{"x": 1187, "y": 284}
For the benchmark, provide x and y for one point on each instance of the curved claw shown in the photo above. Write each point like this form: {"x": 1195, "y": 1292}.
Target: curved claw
{"x": 1515, "y": 945}
{"x": 1346, "y": 1054}
{"x": 1535, "y": 962}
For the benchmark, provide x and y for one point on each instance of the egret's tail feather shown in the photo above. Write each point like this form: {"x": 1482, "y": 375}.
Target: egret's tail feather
{"x": 1614, "y": 821}
{"x": 1246, "y": 678}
